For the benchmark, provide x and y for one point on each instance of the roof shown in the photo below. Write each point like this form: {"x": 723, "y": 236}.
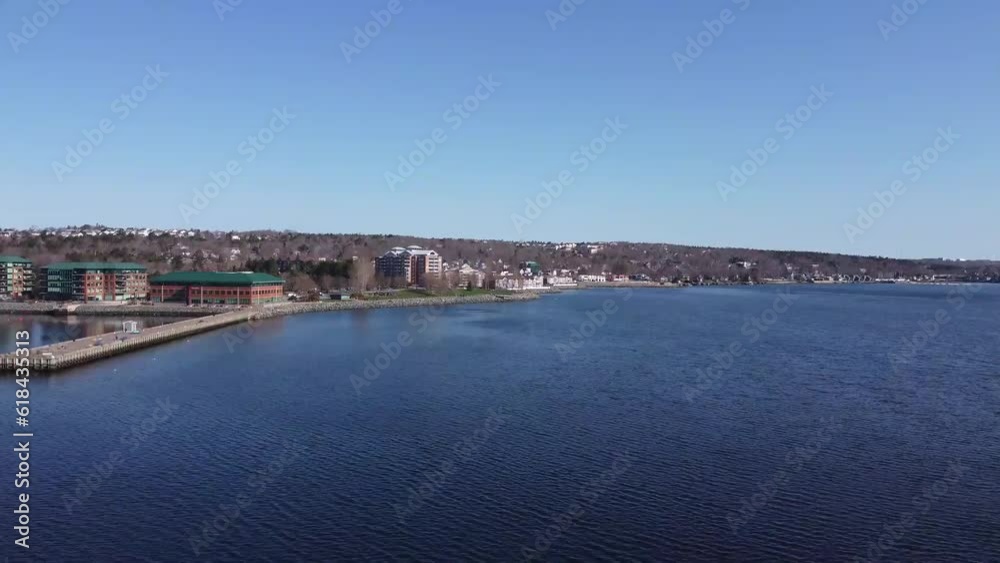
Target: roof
{"x": 14, "y": 260}
{"x": 216, "y": 278}
{"x": 96, "y": 266}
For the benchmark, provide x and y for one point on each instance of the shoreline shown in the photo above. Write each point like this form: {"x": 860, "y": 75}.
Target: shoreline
{"x": 63, "y": 355}
{"x": 82, "y": 310}
{"x": 59, "y": 308}
{"x": 62, "y": 309}
{"x": 176, "y": 310}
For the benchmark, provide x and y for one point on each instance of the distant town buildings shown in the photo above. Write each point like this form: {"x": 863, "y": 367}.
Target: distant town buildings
{"x": 530, "y": 269}
{"x": 301, "y": 257}
{"x": 510, "y": 283}
{"x": 580, "y": 247}
{"x": 16, "y": 276}
{"x": 216, "y": 288}
{"x": 93, "y": 281}
{"x": 414, "y": 265}
{"x": 560, "y": 278}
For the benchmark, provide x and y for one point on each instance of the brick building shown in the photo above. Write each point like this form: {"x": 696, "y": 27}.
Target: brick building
{"x": 216, "y": 288}
{"x": 93, "y": 281}
{"x": 16, "y": 276}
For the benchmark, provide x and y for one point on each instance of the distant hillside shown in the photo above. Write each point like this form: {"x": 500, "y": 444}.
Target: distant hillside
{"x": 300, "y": 254}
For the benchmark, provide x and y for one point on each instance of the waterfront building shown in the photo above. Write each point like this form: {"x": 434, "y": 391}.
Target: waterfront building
{"x": 468, "y": 275}
{"x": 216, "y": 288}
{"x": 511, "y": 283}
{"x": 16, "y": 276}
{"x": 93, "y": 281}
{"x": 394, "y": 264}
{"x": 413, "y": 264}
{"x": 560, "y": 281}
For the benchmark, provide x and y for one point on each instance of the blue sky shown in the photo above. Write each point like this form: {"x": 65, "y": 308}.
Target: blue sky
{"x": 221, "y": 79}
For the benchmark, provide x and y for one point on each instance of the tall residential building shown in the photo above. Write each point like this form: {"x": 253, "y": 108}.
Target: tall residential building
{"x": 93, "y": 281}
{"x": 16, "y": 276}
{"x": 394, "y": 264}
{"x": 413, "y": 264}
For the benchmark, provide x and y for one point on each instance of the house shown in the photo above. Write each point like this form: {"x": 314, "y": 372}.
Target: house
{"x": 510, "y": 283}
{"x": 560, "y": 281}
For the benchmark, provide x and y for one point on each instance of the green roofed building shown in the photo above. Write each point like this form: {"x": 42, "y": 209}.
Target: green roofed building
{"x": 94, "y": 281}
{"x": 216, "y": 288}
{"x": 16, "y": 276}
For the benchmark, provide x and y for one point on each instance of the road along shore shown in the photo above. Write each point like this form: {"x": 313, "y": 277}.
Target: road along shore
{"x": 64, "y": 355}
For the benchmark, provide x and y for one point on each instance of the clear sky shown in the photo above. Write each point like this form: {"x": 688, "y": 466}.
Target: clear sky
{"x": 686, "y": 121}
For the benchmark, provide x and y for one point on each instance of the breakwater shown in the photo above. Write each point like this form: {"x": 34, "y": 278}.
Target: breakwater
{"x": 84, "y": 350}
{"x": 389, "y": 303}
{"x": 63, "y": 309}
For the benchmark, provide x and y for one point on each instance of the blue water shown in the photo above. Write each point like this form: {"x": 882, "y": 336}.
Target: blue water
{"x": 543, "y": 430}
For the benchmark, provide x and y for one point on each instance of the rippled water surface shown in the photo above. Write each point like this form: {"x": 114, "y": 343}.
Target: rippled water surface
{"x": 709, "y": 424}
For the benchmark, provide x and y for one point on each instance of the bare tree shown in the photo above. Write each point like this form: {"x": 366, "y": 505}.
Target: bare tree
{"x": 362, "y": 274}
